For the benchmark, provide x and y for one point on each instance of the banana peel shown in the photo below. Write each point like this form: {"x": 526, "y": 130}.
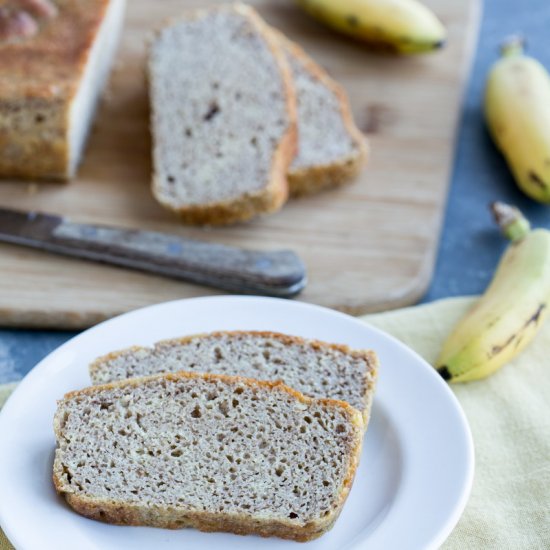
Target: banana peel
{"x": 397, "y": 26}
{"x": 511, "y": 311}
{"x": 517, "y": 111}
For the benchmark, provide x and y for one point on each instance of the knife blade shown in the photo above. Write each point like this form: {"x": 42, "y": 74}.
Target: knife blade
{"x": 272, "y": 273}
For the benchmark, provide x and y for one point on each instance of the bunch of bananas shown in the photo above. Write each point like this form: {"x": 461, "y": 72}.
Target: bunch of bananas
{"x": 400, "y": 26}
{"x": 517, "y": 109}
{"x": 509, "y": 314}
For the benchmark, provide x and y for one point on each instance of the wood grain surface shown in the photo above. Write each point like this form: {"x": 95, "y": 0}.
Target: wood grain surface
{"x": 368, "y": 247}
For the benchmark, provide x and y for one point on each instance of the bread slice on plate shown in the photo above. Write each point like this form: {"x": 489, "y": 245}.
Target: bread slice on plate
{"x": 223, "y": 116}
{"x": 214, "y": 452}
{"x": 314, "y": 368}
{"x": 331, "y": 149}
{"x": 54, "y": 61}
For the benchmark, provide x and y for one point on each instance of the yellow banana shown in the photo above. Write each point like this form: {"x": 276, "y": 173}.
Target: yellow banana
{"x": 400, "y": 26}
{"x": 509, "y": 314}
{"x": 517, "y": 110}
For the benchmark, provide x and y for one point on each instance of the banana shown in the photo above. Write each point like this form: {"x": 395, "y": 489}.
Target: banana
{"x": 399, "y": 26}
{"x": 517, "y": 110}
{"x": 510, "y": 312}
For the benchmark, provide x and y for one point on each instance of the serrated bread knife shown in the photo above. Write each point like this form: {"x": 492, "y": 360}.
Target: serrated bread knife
{"x": 271, "y": 273}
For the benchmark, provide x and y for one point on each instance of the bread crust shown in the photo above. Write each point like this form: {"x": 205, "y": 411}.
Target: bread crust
{"x": 39, "y": 78}
{"x": 134, "y": 515}
{"x": 368, "y": 355}
{"x": 275, "y": 194}
{"x": 111, "y": 511}
{"x": 314, "y": 178}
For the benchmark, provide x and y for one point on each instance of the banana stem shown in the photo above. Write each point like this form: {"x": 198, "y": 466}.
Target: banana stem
{"x": 513, "y": 45}
{"x": 513, "y": 224}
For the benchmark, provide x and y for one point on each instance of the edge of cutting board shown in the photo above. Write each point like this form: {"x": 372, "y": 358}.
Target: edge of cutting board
{"x": 59, "y": 317}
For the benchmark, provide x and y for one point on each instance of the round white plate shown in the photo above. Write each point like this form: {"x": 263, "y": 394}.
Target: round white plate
{"x": 411, "y": 487}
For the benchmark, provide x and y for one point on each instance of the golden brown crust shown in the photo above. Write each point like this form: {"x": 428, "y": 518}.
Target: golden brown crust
{"x": 48, "y": 65}
{"x": 243, "y": 208}
{"x": 286, "y": 339}
{"x": 33, "y": 149}
{"x": 118, "y": 513}
{"x": 127, "y": 514}
{"x": 311, "y": 179}
{"x": 275, "y": 194}
{"x": 39, "y": 77}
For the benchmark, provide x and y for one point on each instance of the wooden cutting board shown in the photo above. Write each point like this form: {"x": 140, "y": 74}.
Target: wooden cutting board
{"x": 367, "y": 247}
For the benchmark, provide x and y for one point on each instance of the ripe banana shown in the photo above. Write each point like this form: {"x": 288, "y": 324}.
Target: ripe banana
{"x": 400, "y": 26}
{"x": 508, "y": 315}
{"x": 517, "y": 110}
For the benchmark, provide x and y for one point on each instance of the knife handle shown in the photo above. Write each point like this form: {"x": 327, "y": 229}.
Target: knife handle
{"x": 272, "y": 273}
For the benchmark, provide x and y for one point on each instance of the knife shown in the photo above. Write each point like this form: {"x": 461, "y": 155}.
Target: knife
{"x": 271, "y": 273}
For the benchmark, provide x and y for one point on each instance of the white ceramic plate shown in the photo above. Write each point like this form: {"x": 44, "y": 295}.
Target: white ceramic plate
{"x": 411, "y": 487}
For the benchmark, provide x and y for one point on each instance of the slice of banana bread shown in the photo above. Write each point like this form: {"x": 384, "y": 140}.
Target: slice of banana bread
{"x": 223, "y": 116}
{"x": 316, "y": 369}
{"x": 214, "y": 452}
{"x": 331, "y": 149}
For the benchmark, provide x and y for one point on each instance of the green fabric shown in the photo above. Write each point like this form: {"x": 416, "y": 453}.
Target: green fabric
{"x": 5, "y": 391}
{"x": 509, "y": 414}
{"x": 509, "y": 508}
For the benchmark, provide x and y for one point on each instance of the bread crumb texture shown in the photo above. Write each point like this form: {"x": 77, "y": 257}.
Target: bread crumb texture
{"x": 219, "y": 108}
{"x": 323, "y": 135}
{"x": 314, "y": 368}
{"x": 213, "y": 452}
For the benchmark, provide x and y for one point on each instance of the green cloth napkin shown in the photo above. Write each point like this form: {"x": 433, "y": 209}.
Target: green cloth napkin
{"x": 5, "y": 391}
{"x": 509, "y": 414}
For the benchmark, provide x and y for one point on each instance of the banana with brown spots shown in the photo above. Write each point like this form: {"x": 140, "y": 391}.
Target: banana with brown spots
{"x": 508, "y": 316}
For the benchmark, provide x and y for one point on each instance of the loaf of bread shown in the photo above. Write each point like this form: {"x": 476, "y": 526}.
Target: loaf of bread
{"x": 223, "y": 116}
{"x": 54, "y": 60}
{"x": 314, "y": 368}
{"x": 214, "y": 452}
{"x": 331, "y": 149}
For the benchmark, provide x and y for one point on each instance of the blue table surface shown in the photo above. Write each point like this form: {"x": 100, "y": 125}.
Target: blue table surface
{"x": 470, "y": 246}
